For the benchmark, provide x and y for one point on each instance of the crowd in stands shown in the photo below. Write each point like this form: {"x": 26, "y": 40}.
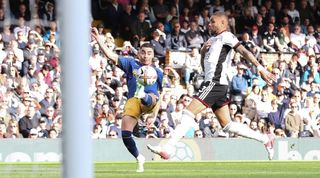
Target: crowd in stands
{"x": 30, "y": 78}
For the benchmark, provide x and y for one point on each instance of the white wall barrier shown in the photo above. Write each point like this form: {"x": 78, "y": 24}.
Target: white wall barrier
{"x": 46, "y": 150}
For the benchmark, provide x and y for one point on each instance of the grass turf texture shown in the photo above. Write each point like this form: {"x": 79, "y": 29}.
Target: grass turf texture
{"x": 239, "y": 169}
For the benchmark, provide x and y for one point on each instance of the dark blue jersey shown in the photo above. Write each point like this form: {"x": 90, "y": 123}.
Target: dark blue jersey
{"x": 130, "y": 66}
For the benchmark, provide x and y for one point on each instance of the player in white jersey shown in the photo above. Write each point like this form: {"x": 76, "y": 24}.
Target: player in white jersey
{"x": 216, "y": 58}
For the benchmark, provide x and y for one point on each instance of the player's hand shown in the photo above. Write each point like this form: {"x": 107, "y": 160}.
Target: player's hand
{"x": 207, "y": 44}
{"x": 94, "y": 33}
{"x": 267, "y": 76}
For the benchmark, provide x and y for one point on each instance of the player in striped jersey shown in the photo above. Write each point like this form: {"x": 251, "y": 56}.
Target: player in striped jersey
{"x": 216, "y": 58}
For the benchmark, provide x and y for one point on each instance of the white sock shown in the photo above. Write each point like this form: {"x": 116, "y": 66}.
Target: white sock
{"x": 187, "y": 121}
{"x": 245, "y": 131}
{"x": 140, "y": 157}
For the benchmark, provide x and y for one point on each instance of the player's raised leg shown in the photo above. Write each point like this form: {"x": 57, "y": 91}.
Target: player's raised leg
{"x": 223, "y": 116}
{"x": 187, "y": 121}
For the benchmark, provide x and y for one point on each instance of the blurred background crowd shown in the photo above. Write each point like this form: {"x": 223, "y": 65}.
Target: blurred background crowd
{"x": 30, "y": 92}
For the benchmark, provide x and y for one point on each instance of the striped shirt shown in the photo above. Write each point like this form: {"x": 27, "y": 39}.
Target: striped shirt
{"x": 218, "y": 59}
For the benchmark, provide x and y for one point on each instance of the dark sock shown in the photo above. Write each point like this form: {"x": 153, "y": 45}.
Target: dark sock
{"x": 129, "y": 143}
{"x": 146, "y": 100}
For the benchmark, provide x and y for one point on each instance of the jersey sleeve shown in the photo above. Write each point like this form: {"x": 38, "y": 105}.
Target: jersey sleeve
{"x": 159, "y": 79}
{"x": 230, "y": 40}
{"x": 124, "y": 63}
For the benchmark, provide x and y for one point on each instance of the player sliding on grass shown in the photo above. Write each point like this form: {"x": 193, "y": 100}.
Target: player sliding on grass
{"x": 142, "y": 99}
{"x": 216, "y": 56}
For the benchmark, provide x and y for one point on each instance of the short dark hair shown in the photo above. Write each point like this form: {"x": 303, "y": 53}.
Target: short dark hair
{"x": 147, "y": 45}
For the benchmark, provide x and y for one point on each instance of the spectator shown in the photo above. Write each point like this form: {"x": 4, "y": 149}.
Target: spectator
{"x": 297, "y": 38}
{"x": 110, "y": 42}
{"x": 48, "y": 13}
{"x": 126, "y": 19}
{"x": 314, "y": 89}
{"x": 276, "y": 115}
{"x": 18, "y": 53}
{"x": 23, "y": 12}
{"x": 264, "y": 105}
{"x": 185, "y": 16}
{"x": 116, "y": 126}
{"x": 279, "y": 133}
{"x": 140, "y": 30}
{"x": 53, "y": 134}
{"x": 3, "y": 130}
{"x": 172, "y": 16}
{"x": 159, "y": 45}
{"x": 312, "y": 71}
{"x": 148, "y": 12}
{"x": 160, "y": 10}
{"x": 2, "y": 14}
{"x": 278, "y": 11}
{"x": 293, "y": 121}
{"x": 255, "y": 93}
{"x": 252, "y": 8}
{"x": 250, "y": 45}
{"x": 43, "y": 128}
{"x": 164, "y": 127}
{"x": 240, "y": 81}
{"x": 207, "y": 33}
{"x": 192, "y": 66}
{"x": 177, "y": 113}
{"x": 246, "y": 20}
{"x": 156, "y": 63}
{"x": 237, "y": 8}
{"x": 47, "y": 101}
{"x": 95, "y": 59}
{"x": 22, "y": 27}
{"x": 112, "y": 134}
{"x": 270, "y": 39}
{"x": 233, "y": 110}
{"x": 13, "y": 130}
{"x": 33, "y": 134}
{"x": 213, "y": 130}
{"x": 284, "y": 41}
{"x": 97, "y": 132}
{"x": 7, "y": 35}
{"x": 204, "y": 18}
{"x": 176, "y": 39}
{"x": 6, "y": 113}
{"x": 28, "y": 122}
{"x": 198, "y": 134}
{"x": 261, "y": 25}
{"x": 178, "y": 5}
{"x": 293, "y": 12}
{"x": 113, "y": 17}
{"x": 255, "y": 36}
{"x": 170, "y": 77}
{"x": 193, "y": 36}
{"x": 56, "y": 130}
{"x": 52, "y": 33}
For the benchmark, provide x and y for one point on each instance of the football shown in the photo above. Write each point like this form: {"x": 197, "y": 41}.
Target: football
{"x": 146, "y": 75}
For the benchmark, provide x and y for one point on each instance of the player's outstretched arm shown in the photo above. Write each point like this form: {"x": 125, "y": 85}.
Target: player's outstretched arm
{"x": 265, "y": 74}
{"x": 107, "y": 52}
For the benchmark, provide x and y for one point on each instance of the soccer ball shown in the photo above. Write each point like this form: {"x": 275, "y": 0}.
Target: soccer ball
{"x": 182, "y": 152}
{"x": 147, "y": 75}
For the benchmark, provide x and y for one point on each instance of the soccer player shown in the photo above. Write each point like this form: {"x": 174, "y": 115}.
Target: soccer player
{"x": 216, "y": 58}
{"x": 142, "y": 99}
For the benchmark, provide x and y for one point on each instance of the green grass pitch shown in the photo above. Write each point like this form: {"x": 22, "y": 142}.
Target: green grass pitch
{"x": 216, "y": 169}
